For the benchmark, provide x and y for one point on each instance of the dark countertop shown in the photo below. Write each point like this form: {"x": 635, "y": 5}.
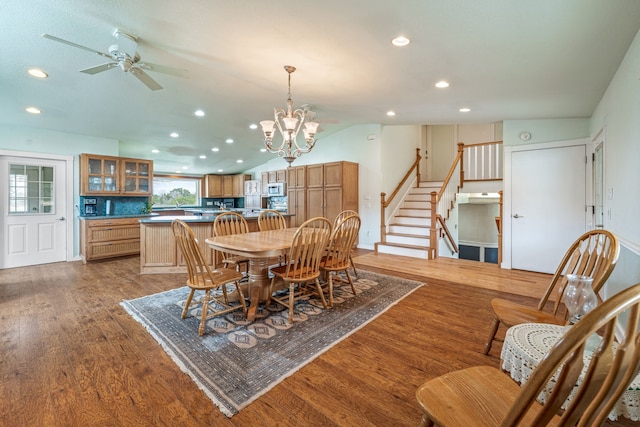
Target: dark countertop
{"x": 195, "y": 218}
{"x": 119, "y": 216}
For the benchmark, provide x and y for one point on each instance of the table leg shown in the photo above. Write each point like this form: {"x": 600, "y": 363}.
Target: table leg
{"x": 258, "y": 284}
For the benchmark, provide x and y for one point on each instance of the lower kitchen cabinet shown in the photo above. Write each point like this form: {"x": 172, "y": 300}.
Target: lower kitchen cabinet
{"x": 109, "y": 238}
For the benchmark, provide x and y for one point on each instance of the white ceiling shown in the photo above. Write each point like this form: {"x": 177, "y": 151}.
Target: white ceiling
{"x": 505, "y": 59}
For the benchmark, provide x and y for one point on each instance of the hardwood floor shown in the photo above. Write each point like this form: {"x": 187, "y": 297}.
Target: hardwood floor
{"x": 71, "y": 356}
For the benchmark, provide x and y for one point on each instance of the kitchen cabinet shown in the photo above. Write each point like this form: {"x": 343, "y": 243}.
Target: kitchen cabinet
{"x": 252, "y": 191}
{"x": 227, "y": 185}
{"x": 115, "y": 176}
{"x": 296, "y": 205}
{"x": 264, "y": 183}
{"x": 296, "y": 177}
{"x": 238, "y": 184}
{"x": 281, "y": 175}
{"x": 109, "y": 238}
{"x": 331, "y": 188}
{"x": 213, "y": 186}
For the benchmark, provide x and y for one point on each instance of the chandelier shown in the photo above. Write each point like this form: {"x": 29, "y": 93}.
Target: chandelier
{"x": 289, "y": 122}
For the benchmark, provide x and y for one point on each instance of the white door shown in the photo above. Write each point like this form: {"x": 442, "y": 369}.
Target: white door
{"x": 32, "y": 197}
{"x": 548, "y": 190}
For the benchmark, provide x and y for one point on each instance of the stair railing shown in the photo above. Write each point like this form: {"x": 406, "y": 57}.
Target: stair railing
{"x": 384, "y": 204}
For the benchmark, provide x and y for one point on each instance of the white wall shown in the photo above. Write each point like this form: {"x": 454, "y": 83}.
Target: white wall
{"x": 618, "y": 115}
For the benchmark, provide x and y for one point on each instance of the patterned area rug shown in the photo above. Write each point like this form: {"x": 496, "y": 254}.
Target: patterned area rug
{"x": 235, "y": 361}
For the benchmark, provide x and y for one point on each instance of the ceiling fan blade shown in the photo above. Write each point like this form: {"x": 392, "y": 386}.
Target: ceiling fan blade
{"x": 178, "y": 72}
{"x": 59, "y": 40}
{"x": 145, "y": 78}
{"x": 126, "y": 43}
{"x": 100, "y": 68}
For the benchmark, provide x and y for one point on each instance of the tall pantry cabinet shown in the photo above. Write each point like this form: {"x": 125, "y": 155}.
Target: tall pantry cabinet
{"x": 331, "y": 188}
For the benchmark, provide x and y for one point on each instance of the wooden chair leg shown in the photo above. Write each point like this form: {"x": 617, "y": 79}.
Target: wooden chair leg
{"x": 330, "y": 280}
{"x": 426, "y": 422}
{"x": 355, "y": 272}
{"x": 292, "y": 288}
{"x": 353, "y": 289}
{"x": 492, "y": 335}
{"x": 185, "y": 310}
{"x": 205, "y": 310}
{"x": 324, "y": 302}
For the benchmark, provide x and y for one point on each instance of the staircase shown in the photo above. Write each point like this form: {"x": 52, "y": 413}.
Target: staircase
{"x": 407, "y": 233}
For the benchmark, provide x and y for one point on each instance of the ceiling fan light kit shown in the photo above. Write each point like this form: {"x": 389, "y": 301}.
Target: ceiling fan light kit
{"x": 123, "y": 55}
{"x": 289, "y": 122}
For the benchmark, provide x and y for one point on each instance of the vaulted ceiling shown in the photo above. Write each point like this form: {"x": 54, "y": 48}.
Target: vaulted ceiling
{"x": 504, "y": 59}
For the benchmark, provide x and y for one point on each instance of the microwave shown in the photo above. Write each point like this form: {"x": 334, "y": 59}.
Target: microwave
{"x": 275, "y": 189}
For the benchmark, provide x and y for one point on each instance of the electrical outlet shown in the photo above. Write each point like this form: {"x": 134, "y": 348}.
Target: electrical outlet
{"x": 209, "y": 203}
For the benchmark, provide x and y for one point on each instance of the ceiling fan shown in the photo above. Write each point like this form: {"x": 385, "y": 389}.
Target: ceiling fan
{"x": 123, "y": 55}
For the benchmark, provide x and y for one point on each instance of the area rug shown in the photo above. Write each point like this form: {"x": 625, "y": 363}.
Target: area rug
{"x": 236, "y": 361}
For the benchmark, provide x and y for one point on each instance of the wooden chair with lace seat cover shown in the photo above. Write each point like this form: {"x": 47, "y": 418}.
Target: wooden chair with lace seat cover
{"x": 202, "y": 278}
{"x": 593, "y": 254}
{"x": 338, "y": 255}
{"x": 271, "y": 219}
{"x": 485, "y": 396}
{"x": 307, "y": 248}
{"x": 342, "y": 215}
{"x": 231, "y": 223}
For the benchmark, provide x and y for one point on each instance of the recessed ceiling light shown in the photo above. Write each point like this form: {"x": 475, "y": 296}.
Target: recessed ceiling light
{"x": 199, "y": 113}
{"x": 263, "y": 150}
{"x": 391, "y": 113}
{"x": 185, "y": 167}
{"x": 37, "y": 72}
{"x": 229, "y": 141}
{"x": 178, "y": 171}
{"x": 174, "y": 134}
{"x": 239, "y": 161}
{"x": 215, "y": 149}
{"x": 253, "y": 126}
{"x": 33, "y": 110}
{"x": 442, "y": 84}
{"x": 155, "y": 150}
{"x": 465, "y": 110}
{"x": 203, "y": 157}
{"x": 400, "y": 41}
{"x": 220, "y": 170}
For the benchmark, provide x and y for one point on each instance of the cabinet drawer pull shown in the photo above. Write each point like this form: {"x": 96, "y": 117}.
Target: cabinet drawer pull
{"x": 108, "y": 228}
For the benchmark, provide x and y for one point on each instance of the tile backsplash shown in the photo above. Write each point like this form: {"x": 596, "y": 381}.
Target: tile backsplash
{"x": 119, "y": 205}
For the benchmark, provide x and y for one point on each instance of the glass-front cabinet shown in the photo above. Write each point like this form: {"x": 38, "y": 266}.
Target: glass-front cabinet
{"x": 108, "y": 175}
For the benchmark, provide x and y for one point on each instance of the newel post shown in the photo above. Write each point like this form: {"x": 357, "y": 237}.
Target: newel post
{"x": 461, "y": 154}
{"x": 418, "y": 167}
{"x": 433, "y": 235}
{"x": 383, "y": 234}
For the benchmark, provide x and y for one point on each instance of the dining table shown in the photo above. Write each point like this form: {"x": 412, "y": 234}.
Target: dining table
{"x": 526, "y": 344}
{"x": 260, "y": 248}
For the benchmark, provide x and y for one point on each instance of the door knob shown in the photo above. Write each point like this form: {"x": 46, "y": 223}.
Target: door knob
{"x": 518, "y": 216}
{"x": 61, "y": 218}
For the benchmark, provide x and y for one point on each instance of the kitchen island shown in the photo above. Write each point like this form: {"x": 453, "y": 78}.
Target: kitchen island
{"x": 159, "y": 252}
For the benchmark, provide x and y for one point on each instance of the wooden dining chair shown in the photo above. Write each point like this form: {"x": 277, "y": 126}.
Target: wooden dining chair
{"x": 485, "y": 396}
{"x": 231, "y": 223}
{"x": 593, "y": 254}
{"x": 307, "y": 248}
{"x": 342, "y": 215}
{"x": 338, "y": 255}
{"x": 202, "y": 278}
{"x": 271, "y": 219}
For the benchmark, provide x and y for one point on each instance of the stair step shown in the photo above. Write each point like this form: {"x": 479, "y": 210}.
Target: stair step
{"x": 407, "y": 239}
{"x": 415, "y": 230}
{"x": 412, "y": 220}
{"x": 410, "y": 251}
{"x": 414, "y": 212}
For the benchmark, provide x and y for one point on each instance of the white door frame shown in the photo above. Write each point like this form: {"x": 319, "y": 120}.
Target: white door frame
{"x": 68, "y": 203}
{"x": 507, "y": 197}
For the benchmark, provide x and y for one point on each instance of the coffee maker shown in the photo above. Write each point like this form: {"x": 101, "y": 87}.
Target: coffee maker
{"x": 90, "y": 207}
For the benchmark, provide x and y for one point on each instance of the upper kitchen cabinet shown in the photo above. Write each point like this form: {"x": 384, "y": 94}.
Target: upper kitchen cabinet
{"x": 296, "y": 177}
{"x": 115, "y": 176}
{"x": 213, "y": 186}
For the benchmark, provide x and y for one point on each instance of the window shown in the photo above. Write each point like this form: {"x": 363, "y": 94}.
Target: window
{"x": 175, "y": 191}
{"x": 30, "y": 189}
